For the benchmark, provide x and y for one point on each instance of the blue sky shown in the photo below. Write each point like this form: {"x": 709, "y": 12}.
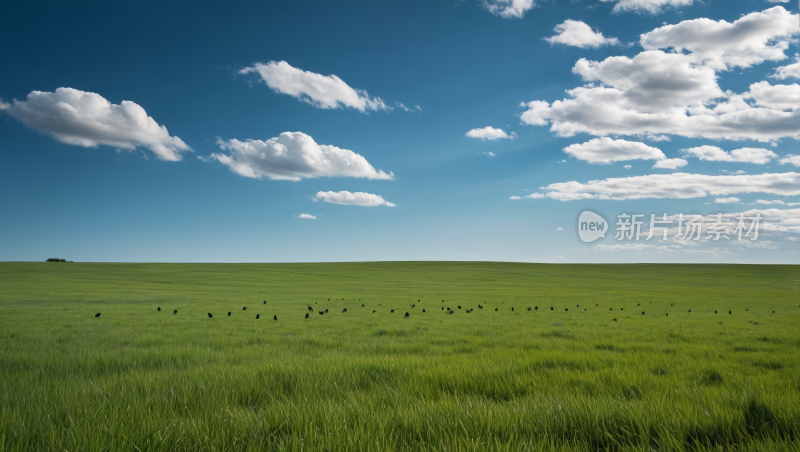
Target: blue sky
{"x": 85, "y": 176}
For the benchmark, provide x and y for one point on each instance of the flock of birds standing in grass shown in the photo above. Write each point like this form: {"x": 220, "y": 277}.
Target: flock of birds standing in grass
{"x": 449, "y": 311}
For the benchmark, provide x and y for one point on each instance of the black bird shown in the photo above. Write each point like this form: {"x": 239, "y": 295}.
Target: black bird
{"x": 362, "y": 305}
{"x": 392, "y": 311}
{"x": 746, "y": 309}
{"x": 715, "y": 311}
{"x": 326, "y": 311}
{"x": 413, "y": 306}
{"x": 306, "y": 315}
{"x": 244, "y": 308}
{"x": 566, "y": 309}
{"x": 265, "y": 301}
{"x": 495, "y": 309}
{"x": 97, "y": 315}
{"x": 159, "y": 309}
{"x": 536, "y": 308}
{"x": 597, "y": 305}
{"x": 406, "y": 315}
{"x": 275, "y": 318}
{"x": 642, "y": 312}
{"x": 175, "y": 312}
{"x": 638, "y": 304}
{"x": 773, "y": 312}
{"x": 729, "y": 312}
{"x": 512, "y": 309}
{"x": 577, "y": 306}
{"x": 310, "y": 309}
{"x": 442, "y": 309}
{"x": 459, "y": 307}
{"x": 451, "y": 312}
{"x": 610, "y": 309}
{"x": 209, "y": 315}
{"x": 423, "y": 310}
{"x": 529, "y": 309}
{"x": 417, "y": 301}
{"x": 672, "y": 304}
{"x": 344, "y": 310}
{"x": 690, "y": 310}
{"x": 229, "y": 314}
{"x": 622, "y": 309}
{"x": 258, "y": 316}
{"x": 551, "y": 308}
{"x": 329, "y": 299}
{"x": 321, "y": 312}
{"x": 442, "y": 301}
{"x": 615, "y": 320}
{"x": 668, "y": 314}
{"x": 373, "y": 311}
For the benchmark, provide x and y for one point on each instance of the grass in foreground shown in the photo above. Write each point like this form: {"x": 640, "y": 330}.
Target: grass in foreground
{"x": 139, "y": 379}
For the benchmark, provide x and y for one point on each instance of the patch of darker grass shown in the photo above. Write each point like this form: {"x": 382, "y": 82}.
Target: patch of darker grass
{"x": 557, "y": 334}
{"x": 660, "y": 371}
{"x": 711, "y": 378}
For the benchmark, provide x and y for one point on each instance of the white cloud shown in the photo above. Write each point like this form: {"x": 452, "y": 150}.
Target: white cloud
{"x": 791, "y": 239}
{"x": 790, "y": 159}
{"x": 757, "y": 156}
{"x": 728, "y": 201}
{"x": 650, "y": 247}
{"x": 670, "y": 164}
{"x": 578, "y": 34}
{"x": 675, "y": 185}
{"x": 658, "y": 138}
{"x": 779, "y": 97}
{"x": 490, "y": 154}
{"x": 752, "y": 39}
{"x": 733, "y": 172}
{"x": 306, "y": 216}
{"x": 559, "y": 229}
{"x": 509, "y": 8}
{"x": 489, "y": 133}
{"x": 530, "y": 196}
{"x": 627, "y": 167}
{"x": 87, "y": 119}
{"x": 559, "y": 257}
{"x": 607, "y": 150}
{"x": 788, "y": 71}
{"x": 776, "y": 201}
{"x": 647, "y": 6}
{"x": 352, "y": 199}
{"x": 321, "y": 91}
{"x": 659, "y": 93}
{"x": 293, "y": 156}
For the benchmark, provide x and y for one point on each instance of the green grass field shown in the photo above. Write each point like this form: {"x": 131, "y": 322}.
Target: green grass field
{"x": 493, "y": 379}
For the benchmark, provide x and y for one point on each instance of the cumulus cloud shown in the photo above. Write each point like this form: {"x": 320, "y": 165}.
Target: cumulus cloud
{"x": 578, "y": 34}
{"x": 627, "y": 167}
{"x": 352, "y": 199}
{"x": 731, "y": 200}
{"x": 790, "y": 159}
{"x": 293, "y": 156}
{"x": 530, "y": 196}
{"x": 670, "y": 164}
{"x": 752, "y": 39}
{"x": 675, "y": 185}
{"x": 306, "y": 216}
{"x": 508, "y": 9}
{"x": 659, "y": 93}
{"x": 757, "y": 156}
{"x": 489, "y": 133}
{"x": 779, "y": 97}
{"x": 775, "y": 201}
{"x": 788, "y": 71}
{"x": 607, "y": 150}
{"x": 321, "y": 91}
{"x": 87, "y": 119}
{"x": 647, "y": 6}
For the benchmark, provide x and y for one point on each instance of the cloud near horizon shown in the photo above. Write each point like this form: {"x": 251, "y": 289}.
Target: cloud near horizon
{"x": 293, "y": 156}
{"x": 86, "y": 119}
{"x": 675, "y": 186}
